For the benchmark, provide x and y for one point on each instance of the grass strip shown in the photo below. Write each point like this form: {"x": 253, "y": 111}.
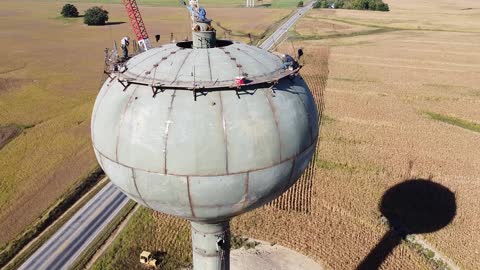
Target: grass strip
{"x": 426, "y": 253}
{"x": 330, "y": 165}
{"x": 296, "y": 36}
{"x": 410, "y": 241}
{"x": 90, "y": 251}
{"x": 384, "y": 26}
{"x": 237, "y": 242}
{"x": 43, "y": 223}
{"x": 472, "y": 126}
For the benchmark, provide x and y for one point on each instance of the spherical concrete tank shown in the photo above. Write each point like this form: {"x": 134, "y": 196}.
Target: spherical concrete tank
{"x": 204, "y": 134}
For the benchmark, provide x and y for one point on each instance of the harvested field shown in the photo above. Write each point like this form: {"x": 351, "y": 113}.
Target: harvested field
{"x": 8, "y": 133}
{"x": 403, "y": 105}
{"x": 51, "y": 72}
{"x": 278, "y": 3}
{"x": 10, "y": 83}
{"x": 387, "y": 77}
{"x": 324, "y": 27}
{"x": 441, "y": 15}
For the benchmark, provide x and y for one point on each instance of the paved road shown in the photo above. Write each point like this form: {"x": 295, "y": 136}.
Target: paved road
{"x": 277, "y": 36}
{"x": 61, "y": 250}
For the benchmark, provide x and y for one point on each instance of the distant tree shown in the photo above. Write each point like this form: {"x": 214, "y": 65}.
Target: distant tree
{"x": 360, "y": 4}
{"x": 339, "y": 4}
{"x": 383, "y": 7}
{"x": 300, "y": 4}
{"x": 69, "y": 10}
{"x": 378, "y": 5}
{"x": 363, "y": 5}
{"x": 95, "y": 16}
{"x": 321, "y": 4}
{"x": 372, "y": 4}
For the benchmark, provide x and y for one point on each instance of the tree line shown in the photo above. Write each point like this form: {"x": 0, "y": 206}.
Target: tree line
{"x": 377, "y": 5}
{"x": 93, "y": 15}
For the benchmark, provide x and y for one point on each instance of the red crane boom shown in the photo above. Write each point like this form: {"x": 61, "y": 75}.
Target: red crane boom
{"x": 137, "y": 24}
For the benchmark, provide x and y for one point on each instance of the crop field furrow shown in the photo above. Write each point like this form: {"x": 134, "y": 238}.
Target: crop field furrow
{"x": 298, "y": 197}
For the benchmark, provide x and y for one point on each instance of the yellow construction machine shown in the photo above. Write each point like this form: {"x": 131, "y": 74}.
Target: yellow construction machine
{"x": 147, "y": 259}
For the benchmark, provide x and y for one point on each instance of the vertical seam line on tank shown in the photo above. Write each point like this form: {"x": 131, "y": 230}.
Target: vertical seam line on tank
{"x": 134, "y": 179}
{"x": 145, "y": 77}
{"x": 247, "y": 188}
{"x": 254, "y": 58}
{"x": 122, "y": 117}
{"x": 99, "y": 157}
{"x": 209, "y": 65}
{"x": 272, "y": 108}
{"x": 290, "y": 177}
{"x": 239, "y": 66}
{"x": 139, "y": 75}
{"x": 95, "y": 109}
{"x": 154, "y": 73}
{"x": 271, "y": 55}
{"x": 224, "y": 124}
{"x": 190, "y": 197}
{"x": 149, "y": 57}
{"x": 167, "y": 128}
{"x": 181, "y": 65}
{"x": 146, "y": 57}
{"x": 308, "y": 116}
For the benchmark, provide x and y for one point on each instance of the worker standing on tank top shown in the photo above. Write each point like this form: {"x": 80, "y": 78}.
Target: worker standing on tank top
{"x": 124, "y": 44}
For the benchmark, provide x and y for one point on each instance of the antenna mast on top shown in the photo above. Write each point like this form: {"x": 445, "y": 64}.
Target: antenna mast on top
{"x": 137, "y": 24}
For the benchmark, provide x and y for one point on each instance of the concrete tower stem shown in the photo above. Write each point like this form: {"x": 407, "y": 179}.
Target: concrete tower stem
{"x": 211, "y": 246}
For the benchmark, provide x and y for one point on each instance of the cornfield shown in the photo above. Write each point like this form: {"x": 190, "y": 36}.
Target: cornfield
{"x": 315, "y": 72}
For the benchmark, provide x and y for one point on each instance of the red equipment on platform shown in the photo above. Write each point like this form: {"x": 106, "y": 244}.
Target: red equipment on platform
{"x": 137, "y": 24}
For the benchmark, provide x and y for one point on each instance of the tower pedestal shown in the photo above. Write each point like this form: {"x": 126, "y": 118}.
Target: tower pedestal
{"x": 211, "y": 246}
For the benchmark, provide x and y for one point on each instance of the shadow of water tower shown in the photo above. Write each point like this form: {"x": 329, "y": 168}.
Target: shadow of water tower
{"x": 415, "y": 206}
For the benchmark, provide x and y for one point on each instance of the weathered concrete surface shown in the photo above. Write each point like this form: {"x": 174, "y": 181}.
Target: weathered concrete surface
{"x": 268, "y": 257}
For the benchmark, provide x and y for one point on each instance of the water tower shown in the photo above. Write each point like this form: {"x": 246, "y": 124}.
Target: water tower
{"x": 205, "y": 130}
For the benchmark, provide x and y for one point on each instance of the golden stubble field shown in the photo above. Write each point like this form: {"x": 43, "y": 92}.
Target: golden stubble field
{"x": 383, "y": 81}
{"x": 50, "y": 74}
{"x": 381, "y": 76}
